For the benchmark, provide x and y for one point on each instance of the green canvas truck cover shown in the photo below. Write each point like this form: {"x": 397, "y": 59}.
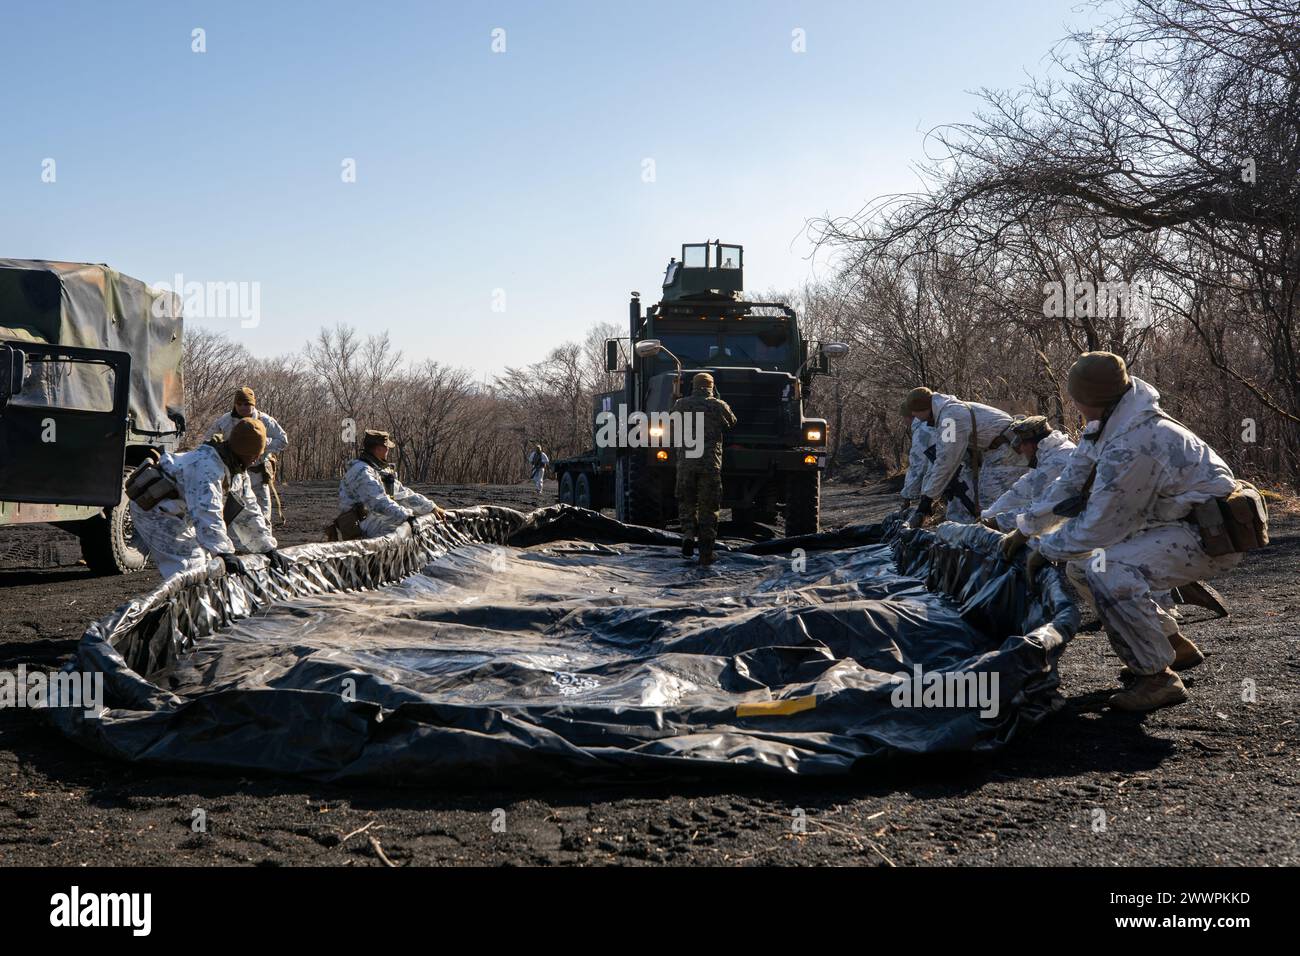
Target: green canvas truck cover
{"x": 94, "y": 306}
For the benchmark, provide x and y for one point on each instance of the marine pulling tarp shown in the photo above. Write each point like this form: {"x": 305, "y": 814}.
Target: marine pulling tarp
{"x": 495, "y": 645}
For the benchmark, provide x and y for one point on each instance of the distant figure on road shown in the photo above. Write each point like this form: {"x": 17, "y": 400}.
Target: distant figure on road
{"x": 537, "y": 462}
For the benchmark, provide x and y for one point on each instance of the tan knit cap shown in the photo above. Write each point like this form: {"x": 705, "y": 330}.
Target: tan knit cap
{"x": 920, "y": 399}
{"x": 248, "y": 438}
{"x": 1098, "y": 379}
{"x": 245, "y": 394}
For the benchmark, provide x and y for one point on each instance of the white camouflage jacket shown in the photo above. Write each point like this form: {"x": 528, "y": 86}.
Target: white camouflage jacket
{"x": 1150, "y": 471}
{"x": 918, "y": 459}
{"x": 362, "y": 484}
{"x": 276, "y": 439}
{"x": 1053, "y": 453}
{"x": 952, "y": 425}
{"x": 202, "y": 478}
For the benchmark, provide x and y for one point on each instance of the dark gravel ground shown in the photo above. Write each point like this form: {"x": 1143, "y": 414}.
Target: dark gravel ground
{"x": 1214, "y": 781}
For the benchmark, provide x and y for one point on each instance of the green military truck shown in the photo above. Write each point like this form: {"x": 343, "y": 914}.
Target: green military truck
{"x": 90, "y": 380}
{"x": 762, "y": 367}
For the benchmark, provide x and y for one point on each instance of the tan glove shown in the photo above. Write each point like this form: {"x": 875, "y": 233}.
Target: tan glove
{"x": 991, "y": 524}
{"x": 1035, "y": 563}
{"x": 1011, "y": 543}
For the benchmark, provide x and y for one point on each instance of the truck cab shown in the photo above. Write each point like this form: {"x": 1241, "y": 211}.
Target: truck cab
{"x": 761, "y": 365}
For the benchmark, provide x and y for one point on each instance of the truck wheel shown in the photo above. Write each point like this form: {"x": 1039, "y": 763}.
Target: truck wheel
{"x": 582, "y": 491}
{"x": 620, "y": 489}
{"x": 109, "y": 544}
{"x": 640, "y": 506}
{"x": 803, "y": 504}
{"x": 566, "y": 488}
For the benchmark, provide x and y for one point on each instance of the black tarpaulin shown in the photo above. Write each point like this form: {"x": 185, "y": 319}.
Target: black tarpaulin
{"x": 497, "y": 645}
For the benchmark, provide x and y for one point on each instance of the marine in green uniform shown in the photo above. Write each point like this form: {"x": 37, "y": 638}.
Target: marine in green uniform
{"x": 699, "y": 480}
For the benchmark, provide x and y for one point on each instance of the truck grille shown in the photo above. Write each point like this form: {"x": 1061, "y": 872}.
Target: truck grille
{"x": 758, "y": 398}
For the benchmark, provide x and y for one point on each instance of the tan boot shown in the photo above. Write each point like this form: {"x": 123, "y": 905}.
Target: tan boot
{"x": 688, "y": 547}
{"x": 706, "y": 552}
{"x": 1186, "y": 656}
{"x": 1151, "y": 692}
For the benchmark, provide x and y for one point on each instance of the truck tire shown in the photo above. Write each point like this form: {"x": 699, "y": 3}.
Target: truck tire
{"x": 108, "y": 544}
{"x": 803, "y": 504}
{"x": 640, "y": 505}
{"x": 582, "y": 491}
{"x": 743, "y": 516}
{"x": 566, "y": 488}
{"x": 769, "y": 508}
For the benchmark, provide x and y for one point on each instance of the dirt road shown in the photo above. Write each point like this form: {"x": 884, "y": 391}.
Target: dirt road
{"x": 1215, "y": 781}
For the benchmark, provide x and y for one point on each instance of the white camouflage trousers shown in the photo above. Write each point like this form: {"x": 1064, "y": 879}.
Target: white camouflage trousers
{"x": 1128, "y": 586}
{"x": 170, "y": 540}
{"x": 262, "y": 492}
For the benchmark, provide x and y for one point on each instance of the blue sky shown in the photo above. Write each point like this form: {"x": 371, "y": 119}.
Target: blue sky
{"x": 521, "y": 171}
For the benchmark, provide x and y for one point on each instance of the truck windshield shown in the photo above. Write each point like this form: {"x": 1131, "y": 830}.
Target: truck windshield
{"x": 763, "y": 348}
{"x": 768, "y": 349}
{"x": 692, "y": 348}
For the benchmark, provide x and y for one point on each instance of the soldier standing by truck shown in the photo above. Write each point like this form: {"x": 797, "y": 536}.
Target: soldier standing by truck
{"x": 699, "y": 480}
{"x": 261, "y": 474}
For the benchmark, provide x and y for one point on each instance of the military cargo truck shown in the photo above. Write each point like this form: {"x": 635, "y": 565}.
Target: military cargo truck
{"x": 90, "y": 380}
{"x": 762, "y": 367}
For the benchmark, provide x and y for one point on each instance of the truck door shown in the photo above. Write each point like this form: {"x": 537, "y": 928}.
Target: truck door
{"x": 63, "y": 418}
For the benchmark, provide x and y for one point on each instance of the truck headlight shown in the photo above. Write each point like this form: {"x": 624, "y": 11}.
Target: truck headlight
{"x": 810, "y": 459}
{"x": 656, "y": 431}
{"x": 814, "y": 434}
{"x": 661, "y": 455}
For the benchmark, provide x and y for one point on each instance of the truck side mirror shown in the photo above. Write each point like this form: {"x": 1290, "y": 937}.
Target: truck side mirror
{"x": 827, "y": 352}
{"x": 611, "y": 355}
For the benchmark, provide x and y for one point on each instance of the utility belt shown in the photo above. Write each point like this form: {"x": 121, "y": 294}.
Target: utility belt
{"x": 148, "y": 485}
{"x": 347, "y": 526}
{"x": 265, "y": 468}
{"x": 1232, "y": 525}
